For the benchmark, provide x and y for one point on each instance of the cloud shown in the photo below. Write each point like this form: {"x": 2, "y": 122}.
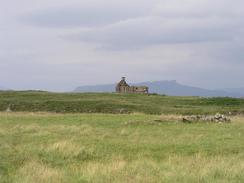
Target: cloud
{"x": 88, "y": 13}
{"x": 137, "y": 23}
{"x": 154, "y": 30}
{"x": 200, "y": 8}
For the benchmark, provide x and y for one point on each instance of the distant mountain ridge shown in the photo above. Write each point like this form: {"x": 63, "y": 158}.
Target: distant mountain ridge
{"x": 171, "y": 88}
{"x": 235, "y": 90}
{"x": 3, "y": 88}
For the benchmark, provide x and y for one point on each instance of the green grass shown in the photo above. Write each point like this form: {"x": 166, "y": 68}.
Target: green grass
{"x": 44, "y": 147}
{"x": 116, "y": 103}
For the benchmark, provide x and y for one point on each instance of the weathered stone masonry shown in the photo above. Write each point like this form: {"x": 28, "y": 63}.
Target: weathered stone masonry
{"x": 123, "y": 87}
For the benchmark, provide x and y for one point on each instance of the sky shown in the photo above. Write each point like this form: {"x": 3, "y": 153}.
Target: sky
{"x": 57, "y": 45}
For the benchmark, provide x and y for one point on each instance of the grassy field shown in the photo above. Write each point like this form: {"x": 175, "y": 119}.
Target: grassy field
{"x": 56, "y": 148}
{"x": 116, "y": 103}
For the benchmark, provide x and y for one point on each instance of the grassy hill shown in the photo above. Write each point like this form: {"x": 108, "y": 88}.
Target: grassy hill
{"x": 34, "y": 101}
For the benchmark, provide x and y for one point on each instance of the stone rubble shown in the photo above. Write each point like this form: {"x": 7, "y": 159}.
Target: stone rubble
{"x": 8, "y": 109}
{"x": 217, "y": 118}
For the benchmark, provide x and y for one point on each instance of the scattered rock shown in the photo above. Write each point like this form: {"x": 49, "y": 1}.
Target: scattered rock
{"x": 8, "y": 109}
{"x": 123, "y": 111}
{"x": 186, "y": 120}
{"x": 217, "y": 118}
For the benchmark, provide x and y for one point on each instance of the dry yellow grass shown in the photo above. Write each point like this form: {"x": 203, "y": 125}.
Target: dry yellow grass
{"x": 37, "y": 172}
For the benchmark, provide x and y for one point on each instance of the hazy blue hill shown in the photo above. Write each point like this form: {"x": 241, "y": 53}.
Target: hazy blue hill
{"x": 239, "y": 91}
{"x": 3, "y": 88}
{"x": 171, "y": 88}
{"x": 96, "y": 88}
{"x": 175, "y": 89}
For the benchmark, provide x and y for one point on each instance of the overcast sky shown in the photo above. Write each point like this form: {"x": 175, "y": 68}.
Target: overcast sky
{"x": 58, "y": 44}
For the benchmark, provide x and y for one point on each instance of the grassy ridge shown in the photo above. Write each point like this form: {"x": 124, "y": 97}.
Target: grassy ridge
{"x": 56, "y": 148}
{"x": 116, "y": 103}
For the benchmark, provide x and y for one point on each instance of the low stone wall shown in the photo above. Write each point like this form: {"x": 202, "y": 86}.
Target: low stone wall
{"x": 217, "y": 118}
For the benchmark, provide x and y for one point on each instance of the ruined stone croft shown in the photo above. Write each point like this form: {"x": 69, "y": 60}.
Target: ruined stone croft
{"x": 123, "y": 87}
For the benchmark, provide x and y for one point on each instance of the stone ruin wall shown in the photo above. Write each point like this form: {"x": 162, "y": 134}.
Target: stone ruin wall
{"x": 138, "y": 89}
{"x": 123, "y": 87}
